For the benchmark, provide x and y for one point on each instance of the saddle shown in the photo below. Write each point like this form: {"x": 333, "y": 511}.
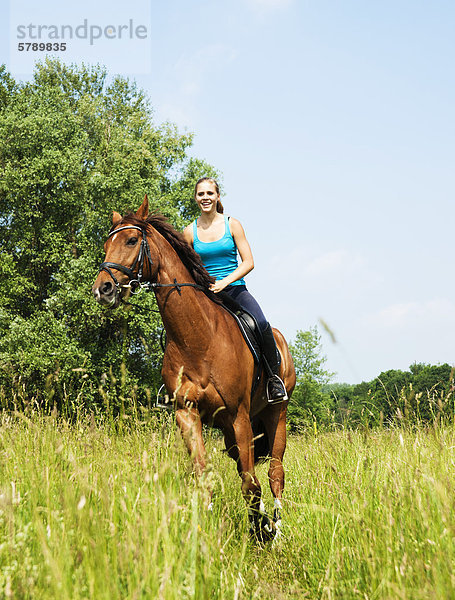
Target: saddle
{"x": 247, "y": 324}
{"x": 250, "y": 331}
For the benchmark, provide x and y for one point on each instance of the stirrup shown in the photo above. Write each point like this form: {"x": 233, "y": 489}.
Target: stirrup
{"x": 278, "y": 382}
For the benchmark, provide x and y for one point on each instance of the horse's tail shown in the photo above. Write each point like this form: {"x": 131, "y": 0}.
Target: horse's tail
{"x": 262, "y": 448}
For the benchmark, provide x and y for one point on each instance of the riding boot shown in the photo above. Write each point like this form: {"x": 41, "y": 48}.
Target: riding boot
{"x": 276, "y": 392}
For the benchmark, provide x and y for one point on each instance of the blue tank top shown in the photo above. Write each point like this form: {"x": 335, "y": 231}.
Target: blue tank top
{"x": 219, "y": 257}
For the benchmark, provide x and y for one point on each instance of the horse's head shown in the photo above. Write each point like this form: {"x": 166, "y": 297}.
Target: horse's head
{"x": 127, "y": 261}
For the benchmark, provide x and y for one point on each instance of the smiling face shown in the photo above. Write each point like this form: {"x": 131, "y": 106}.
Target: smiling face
{"x": 207, "y": 196}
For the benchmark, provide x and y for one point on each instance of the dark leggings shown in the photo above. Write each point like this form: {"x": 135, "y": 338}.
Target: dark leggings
{"x": 241, "y": 295}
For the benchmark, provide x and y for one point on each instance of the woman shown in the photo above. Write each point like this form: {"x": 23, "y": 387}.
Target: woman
{"x": 217, "y": 239}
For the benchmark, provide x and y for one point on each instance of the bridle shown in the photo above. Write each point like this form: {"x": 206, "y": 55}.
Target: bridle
{"x": 135, "y": 283}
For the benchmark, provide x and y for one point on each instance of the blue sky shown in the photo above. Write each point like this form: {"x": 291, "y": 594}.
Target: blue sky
{"x": 332, "y": 123}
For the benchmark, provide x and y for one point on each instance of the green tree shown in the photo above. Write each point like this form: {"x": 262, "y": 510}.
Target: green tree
{"x": 73, "y": 147}
{"x": 386, "y": 392}
{"x": 345, "y": 408}
{"x": 417, "y": 396}
{"x": 432, "y": 390}
{"x": 309, "y": 400}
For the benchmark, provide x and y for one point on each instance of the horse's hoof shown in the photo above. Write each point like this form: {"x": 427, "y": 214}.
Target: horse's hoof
{"x": 263, "y": 529}
{"x": 279, "y": 538}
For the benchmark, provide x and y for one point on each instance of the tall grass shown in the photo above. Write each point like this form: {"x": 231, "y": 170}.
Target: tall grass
{"x": 112, "y": 510}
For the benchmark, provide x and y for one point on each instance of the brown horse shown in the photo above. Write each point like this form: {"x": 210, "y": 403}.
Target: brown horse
{"x": 207, "y": 365}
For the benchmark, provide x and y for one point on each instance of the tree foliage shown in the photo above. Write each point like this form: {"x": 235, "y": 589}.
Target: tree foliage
{"x": 73, "y": 147}
{"x": 417, "y": 396}
{"x": 308, "y": 400}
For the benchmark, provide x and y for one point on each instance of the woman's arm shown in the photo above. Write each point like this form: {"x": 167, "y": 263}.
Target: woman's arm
{"x": 246, "y": 255}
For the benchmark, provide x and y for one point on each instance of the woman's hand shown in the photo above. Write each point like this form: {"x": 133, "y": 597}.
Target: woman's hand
{"x": 218, "y": 286}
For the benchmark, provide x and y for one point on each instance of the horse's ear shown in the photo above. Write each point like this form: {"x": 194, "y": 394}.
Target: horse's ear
{"x": 116, "y": 218}
{"x": 143, "y": 211}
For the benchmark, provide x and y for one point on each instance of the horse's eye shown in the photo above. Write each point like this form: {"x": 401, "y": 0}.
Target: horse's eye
{"x": 132, "y": 241}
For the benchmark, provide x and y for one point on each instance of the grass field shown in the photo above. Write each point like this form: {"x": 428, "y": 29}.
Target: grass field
{"x": 89, "y": 510}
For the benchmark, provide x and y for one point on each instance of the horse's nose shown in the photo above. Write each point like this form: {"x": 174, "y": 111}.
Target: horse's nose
{"x": 107, "y": 288}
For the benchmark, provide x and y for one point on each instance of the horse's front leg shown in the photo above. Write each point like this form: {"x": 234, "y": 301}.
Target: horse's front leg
{"x": 189, "y": 423}
{"x": 243, "y": 451}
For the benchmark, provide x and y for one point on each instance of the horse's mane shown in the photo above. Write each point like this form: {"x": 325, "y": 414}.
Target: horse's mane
{"x": 185, "y": 252}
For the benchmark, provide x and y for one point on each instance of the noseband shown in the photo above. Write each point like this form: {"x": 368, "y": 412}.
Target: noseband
{"x": 143, "y": 254}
